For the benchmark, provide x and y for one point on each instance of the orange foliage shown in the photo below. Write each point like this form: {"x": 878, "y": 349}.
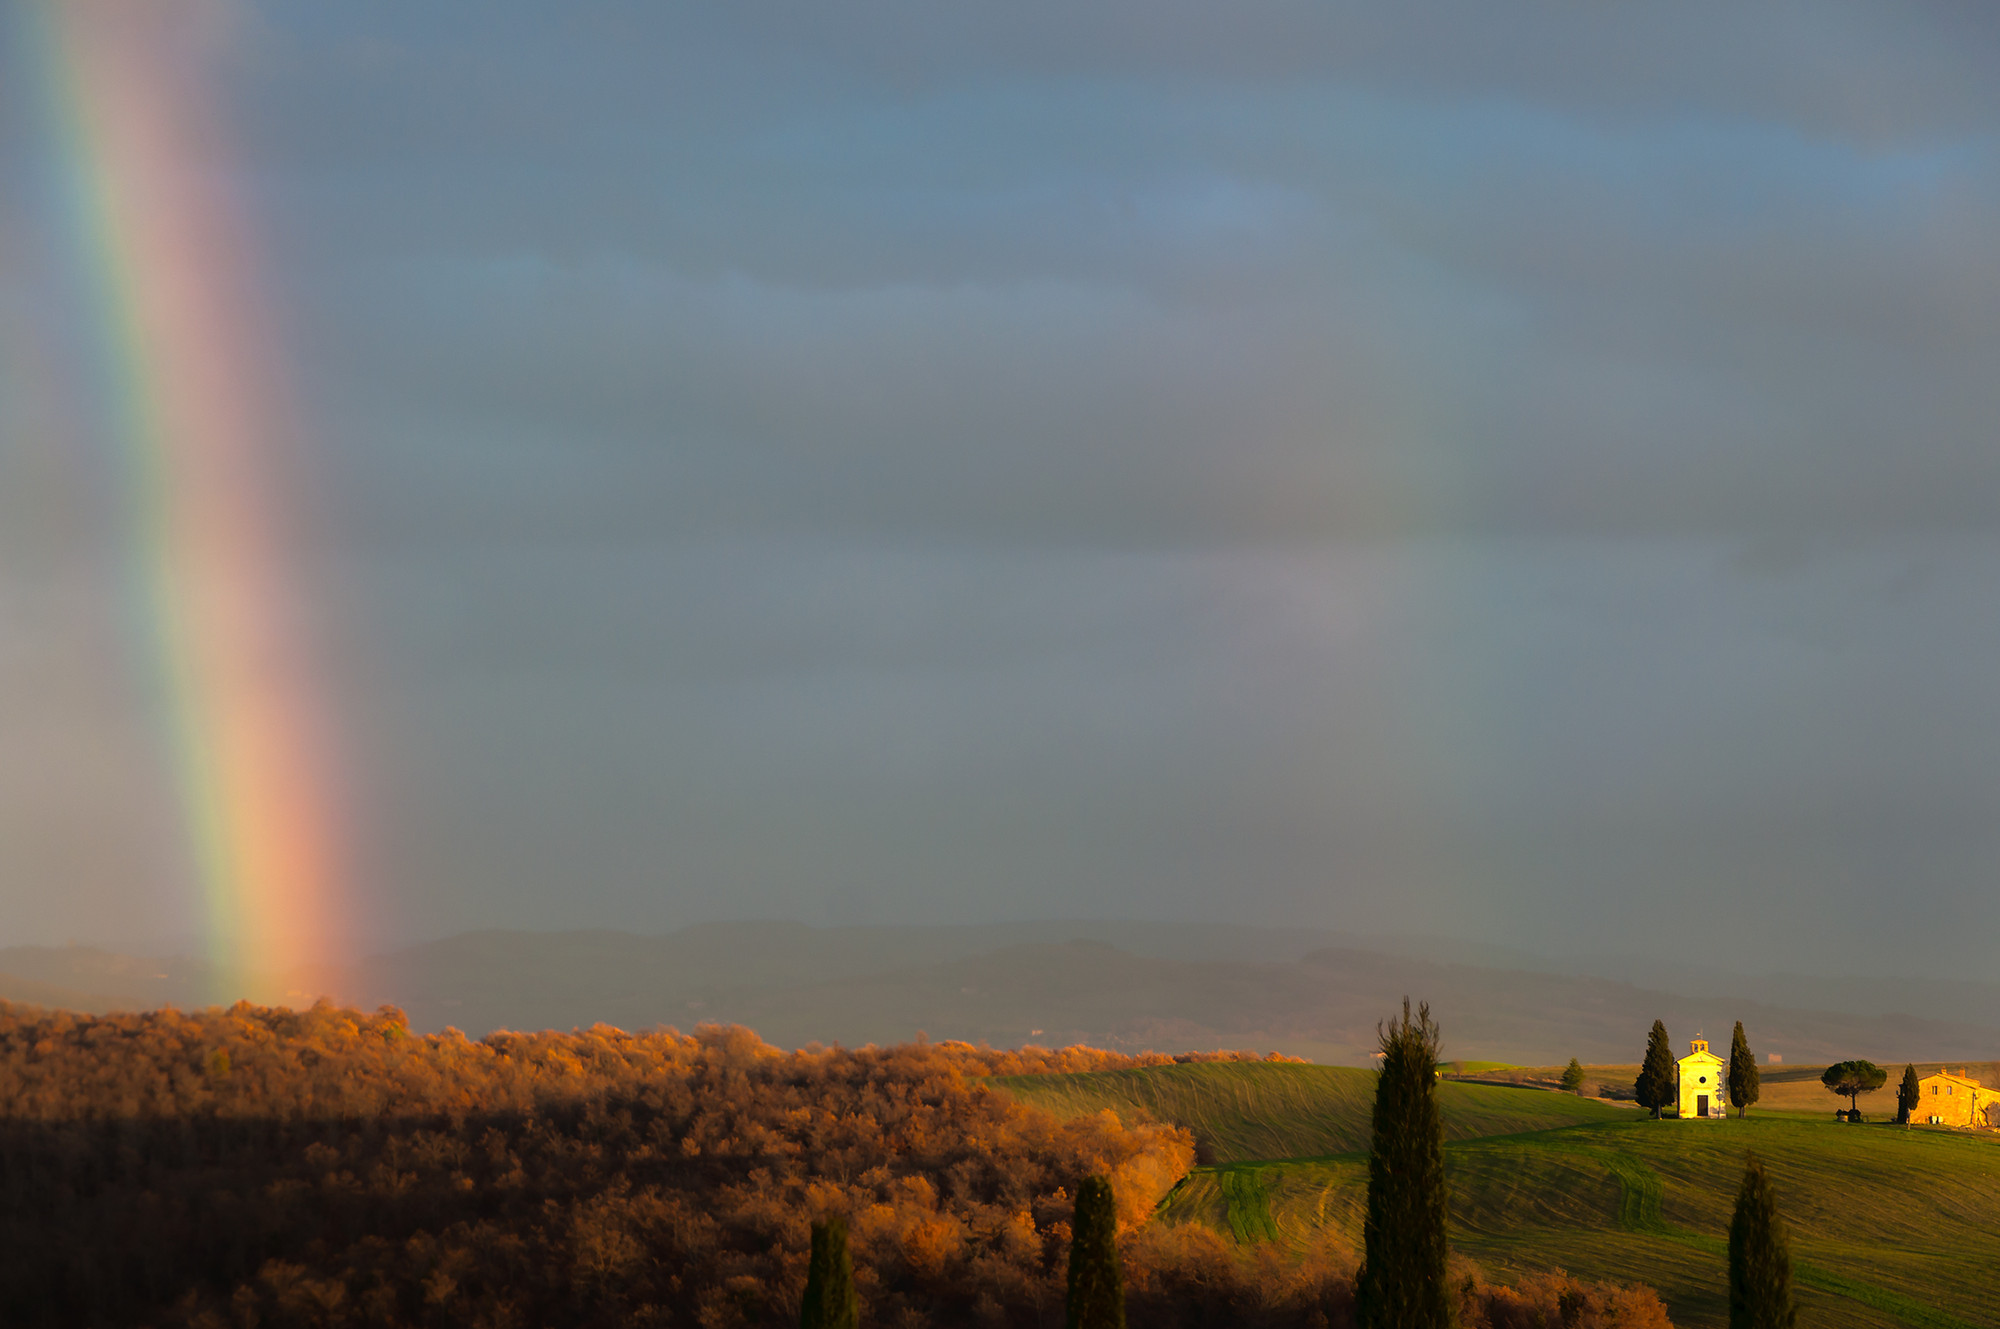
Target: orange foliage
{"x": 252, "y": 1168}
{"x": 326, "y": 1167}
{"x": 1546, "y": 1300}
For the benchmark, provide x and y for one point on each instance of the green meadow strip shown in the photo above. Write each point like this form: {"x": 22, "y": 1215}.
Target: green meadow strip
{"x": 1640, "y": 1193}
{"x": 1881, "y": 1299}
{"x": 1249, "y": 1199}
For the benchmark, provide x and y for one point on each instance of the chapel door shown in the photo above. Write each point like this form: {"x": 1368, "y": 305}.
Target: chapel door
{"x": 1701, "y": 1105}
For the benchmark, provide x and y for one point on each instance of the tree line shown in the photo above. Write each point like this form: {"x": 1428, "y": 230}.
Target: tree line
{"x": 328, "y": 1167}
{"x": 254, "y": 1168}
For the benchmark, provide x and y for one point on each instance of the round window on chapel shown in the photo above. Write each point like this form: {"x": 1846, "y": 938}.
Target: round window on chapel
{"x": 1704, "y": 1079}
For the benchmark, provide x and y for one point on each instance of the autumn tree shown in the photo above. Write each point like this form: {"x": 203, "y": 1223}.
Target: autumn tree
{"x": 347, "y": 1169}
{"x": 1655, "y": 1086}
{"x": 1744, "y": 1088}
{"x": 1854, "y": 1078}
{"x": 1402, "y": 1280}
{"x": 1908, "y": 1095}
{"x": 1573, "y": 1076}
{"x": 1096, "y": 1286}
{"x": 1760, "y": 1259}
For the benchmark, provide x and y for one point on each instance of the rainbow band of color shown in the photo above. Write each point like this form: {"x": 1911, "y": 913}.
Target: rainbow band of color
{"x": 188, "y": 389}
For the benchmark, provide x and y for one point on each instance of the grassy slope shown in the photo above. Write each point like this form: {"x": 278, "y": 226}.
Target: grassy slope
{"x": 1242, "y": 1111}
{"x": 1890, "y": 1226}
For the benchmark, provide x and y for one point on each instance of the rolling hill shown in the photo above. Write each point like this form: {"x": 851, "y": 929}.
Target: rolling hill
{"x": 84, "y": 978}
{"x": 1890, "y": 1226}
{"x": 1244, "y": 1111}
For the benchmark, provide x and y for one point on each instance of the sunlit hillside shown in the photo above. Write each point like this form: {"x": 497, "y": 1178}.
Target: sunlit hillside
{"x": 329, "y": 1169}
{"x": 1239, "y": 1113}
{"x": 1892, "y": 1226}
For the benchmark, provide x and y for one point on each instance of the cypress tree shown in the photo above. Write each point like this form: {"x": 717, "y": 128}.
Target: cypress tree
{"x": 830, "y": 1300}
{"x": 1655, "y": 1086}
{"x": 1760, "y": 1260}
{"x": 1573, "y": 1076}
{"x": 1743, "y": 1079}
{"x": 1096, "y": 1285}
{"x": 1402, "y": 1280}
{"x": 1908, "y": 1095}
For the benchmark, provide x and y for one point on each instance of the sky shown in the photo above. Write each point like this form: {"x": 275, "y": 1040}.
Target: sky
{"x": 1525, "y": 473}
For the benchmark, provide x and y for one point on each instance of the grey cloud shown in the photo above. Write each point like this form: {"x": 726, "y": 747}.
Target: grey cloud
{"x": 1576, "y": 736}
{"x": 1133, "y": 312}
{"x": 1520, "y": 472}
{"x": 1861, "y": 68}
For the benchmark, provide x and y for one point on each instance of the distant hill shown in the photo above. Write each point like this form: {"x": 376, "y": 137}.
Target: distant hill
{"x": 494, "y": 979}
{"x": 84, "y": 978}
{"x": 15, "y": 988}
{"x": 1128, "y": 986}
{"x": 1120, "y": 985}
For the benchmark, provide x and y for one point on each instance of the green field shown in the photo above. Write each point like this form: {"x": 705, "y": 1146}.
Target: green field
{"x": 1890, "y": 1226}
{"x": 1250, "y": 1111}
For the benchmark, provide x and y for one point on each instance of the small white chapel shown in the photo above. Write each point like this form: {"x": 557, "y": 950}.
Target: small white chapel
{"x": 1703, "y": 1093}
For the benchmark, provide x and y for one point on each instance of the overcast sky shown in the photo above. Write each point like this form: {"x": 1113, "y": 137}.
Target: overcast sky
{"x": 1519, "y": 471}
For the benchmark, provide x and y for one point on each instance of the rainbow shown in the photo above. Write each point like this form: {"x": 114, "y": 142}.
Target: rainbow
{"x": 189, "y": 400}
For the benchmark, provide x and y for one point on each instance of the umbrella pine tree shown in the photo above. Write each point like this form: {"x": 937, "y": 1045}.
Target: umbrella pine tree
{"x": 1854, "y": 1078}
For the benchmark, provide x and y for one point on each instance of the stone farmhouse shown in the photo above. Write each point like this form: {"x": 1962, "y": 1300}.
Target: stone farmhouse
{"x": 1953, "y": 1098}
